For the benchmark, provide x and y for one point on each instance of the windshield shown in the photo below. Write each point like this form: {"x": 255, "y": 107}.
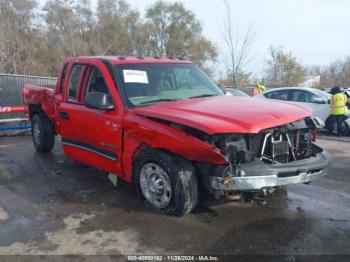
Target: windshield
{"x": 146, "y": 84}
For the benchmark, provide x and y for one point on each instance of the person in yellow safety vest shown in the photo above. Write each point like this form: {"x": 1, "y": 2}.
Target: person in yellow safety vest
{"x": 337, "y": 108}
{"x": 260, "y": 87}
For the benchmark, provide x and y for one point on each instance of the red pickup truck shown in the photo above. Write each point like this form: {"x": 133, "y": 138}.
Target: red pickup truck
{"x": 163, "y": 125}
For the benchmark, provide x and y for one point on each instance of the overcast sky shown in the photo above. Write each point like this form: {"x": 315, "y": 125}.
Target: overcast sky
{"x": 316, "y": 31}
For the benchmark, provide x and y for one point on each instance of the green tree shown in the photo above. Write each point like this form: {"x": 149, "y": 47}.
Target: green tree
{"x": 283, "y": 69}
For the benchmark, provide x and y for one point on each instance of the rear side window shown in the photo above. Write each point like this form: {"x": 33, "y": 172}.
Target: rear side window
{"x": 279, "y": 95}
{"x": 63, "y": 77}
{"x": 75, "y": 79}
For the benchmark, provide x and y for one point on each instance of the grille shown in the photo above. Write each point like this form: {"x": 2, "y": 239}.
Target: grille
{"x": 280, "y": 148}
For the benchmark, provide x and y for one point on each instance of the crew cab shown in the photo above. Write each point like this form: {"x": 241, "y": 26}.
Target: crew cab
{"x": 163, "y": 125}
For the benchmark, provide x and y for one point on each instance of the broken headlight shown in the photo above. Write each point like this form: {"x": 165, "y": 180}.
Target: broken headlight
{"x": 234, "y": 147}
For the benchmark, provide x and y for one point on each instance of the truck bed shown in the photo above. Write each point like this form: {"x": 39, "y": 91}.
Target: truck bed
{"x": 38, "y": 96}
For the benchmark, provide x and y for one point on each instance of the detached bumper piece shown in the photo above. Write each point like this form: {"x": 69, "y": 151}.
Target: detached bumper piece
{"x": 258, "y": 175}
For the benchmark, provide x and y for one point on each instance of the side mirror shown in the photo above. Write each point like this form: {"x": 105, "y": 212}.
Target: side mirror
{"x": 222, "y": 88}
{"x": 318, "y": 100}
{"x": 98, "y": 100}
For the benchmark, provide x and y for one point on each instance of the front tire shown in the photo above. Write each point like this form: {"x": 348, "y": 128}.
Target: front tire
{"x": 165, "y": 182}
{"x": 42, "y": 133}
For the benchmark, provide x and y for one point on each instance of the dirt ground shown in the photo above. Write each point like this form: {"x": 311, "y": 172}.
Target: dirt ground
{"x": 53, "y": 205}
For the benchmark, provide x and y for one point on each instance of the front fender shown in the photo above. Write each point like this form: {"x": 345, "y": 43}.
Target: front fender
{"x": 141, "y": 131}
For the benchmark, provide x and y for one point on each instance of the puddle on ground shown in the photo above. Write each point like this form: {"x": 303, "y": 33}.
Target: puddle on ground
{"x": 3, "y": 214}
{"x": 68, "y": 241}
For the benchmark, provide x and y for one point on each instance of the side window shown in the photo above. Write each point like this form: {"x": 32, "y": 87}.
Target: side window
{"x": 283, "y": 95}
{"x": 299, "y": 96}
{"x": 63, "y": 77}
{"x": 311, "y": 97}
{"x": 96, "y": 83}
{"x": 303, "y": 96}
{"x": 279, "y": 95}
{"x": 75, "y": 78}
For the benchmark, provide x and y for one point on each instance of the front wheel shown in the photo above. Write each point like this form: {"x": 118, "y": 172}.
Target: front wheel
{"x": 42, "y": 133}
{"x": 165, "y": 182}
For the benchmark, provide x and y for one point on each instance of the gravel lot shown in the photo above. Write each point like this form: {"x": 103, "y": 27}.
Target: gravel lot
{"x": 53, "y": 205}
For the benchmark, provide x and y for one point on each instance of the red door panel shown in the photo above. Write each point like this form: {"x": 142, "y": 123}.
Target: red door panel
{"x": 91, "y": 136}
{"x": 94, "y": 137}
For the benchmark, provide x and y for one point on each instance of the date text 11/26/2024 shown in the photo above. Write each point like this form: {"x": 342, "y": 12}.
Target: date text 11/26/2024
{"x": 173, "y": 258}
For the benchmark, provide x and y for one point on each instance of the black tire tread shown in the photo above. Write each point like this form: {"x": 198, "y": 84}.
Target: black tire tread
{"x": 182, "y": 174}
{"x": 48, "y": 134}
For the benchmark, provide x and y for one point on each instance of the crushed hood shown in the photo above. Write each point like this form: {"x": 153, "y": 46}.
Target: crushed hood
{"x": 225, "y": 114}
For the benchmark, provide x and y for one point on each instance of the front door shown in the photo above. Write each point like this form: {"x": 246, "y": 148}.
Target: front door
{"x": 91, "y": 136}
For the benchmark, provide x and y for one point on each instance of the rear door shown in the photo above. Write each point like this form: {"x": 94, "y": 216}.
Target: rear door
{"x": 91, "y": 136}
{"x": 65, "y": 111}
{"x": 310, "y": 99}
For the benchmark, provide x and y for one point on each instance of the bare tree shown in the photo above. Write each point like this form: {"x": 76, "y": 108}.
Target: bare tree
{"x": 36, "y": 43}
{"x": 175, "y": 31}
{"x": 17, "y": 36}
{"x": 238, "y": 45}
{"x": 283, "y": 68}
{"x": 337, "y": 73}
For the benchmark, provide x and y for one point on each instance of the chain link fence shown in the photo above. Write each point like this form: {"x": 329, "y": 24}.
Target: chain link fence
{"x": 11, "y": 87}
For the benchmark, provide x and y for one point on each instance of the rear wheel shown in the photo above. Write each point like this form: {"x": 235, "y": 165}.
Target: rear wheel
{"x": 42, "y": 133}
{"x": 165, "y": 182}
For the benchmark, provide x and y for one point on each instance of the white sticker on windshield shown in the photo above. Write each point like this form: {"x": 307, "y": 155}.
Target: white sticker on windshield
{"x": 135, "y": 76}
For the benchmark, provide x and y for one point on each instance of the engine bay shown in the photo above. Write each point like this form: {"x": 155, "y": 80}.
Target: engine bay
{"x": 277, "y": 145}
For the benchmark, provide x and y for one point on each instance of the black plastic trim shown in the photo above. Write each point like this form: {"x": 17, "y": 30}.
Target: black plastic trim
{"x": 100, "y": 151}
{"x": 118, "y": 84}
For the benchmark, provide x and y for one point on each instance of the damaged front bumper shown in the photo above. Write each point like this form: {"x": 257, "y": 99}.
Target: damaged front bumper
{"x": 258, "y": 175}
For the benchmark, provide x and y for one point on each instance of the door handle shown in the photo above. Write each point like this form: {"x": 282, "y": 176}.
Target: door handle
{"x": 64, "y": 115}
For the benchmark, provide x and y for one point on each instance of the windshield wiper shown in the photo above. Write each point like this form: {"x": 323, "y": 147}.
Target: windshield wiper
{"x": 204, "y": 95}
{"x": 159, "y": 100}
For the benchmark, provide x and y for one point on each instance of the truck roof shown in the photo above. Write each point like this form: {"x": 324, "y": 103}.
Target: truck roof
{"x": 133, "y": 60}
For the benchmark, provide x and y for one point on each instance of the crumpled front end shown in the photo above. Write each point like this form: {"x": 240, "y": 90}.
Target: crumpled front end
{"x": 274, "y": 157}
